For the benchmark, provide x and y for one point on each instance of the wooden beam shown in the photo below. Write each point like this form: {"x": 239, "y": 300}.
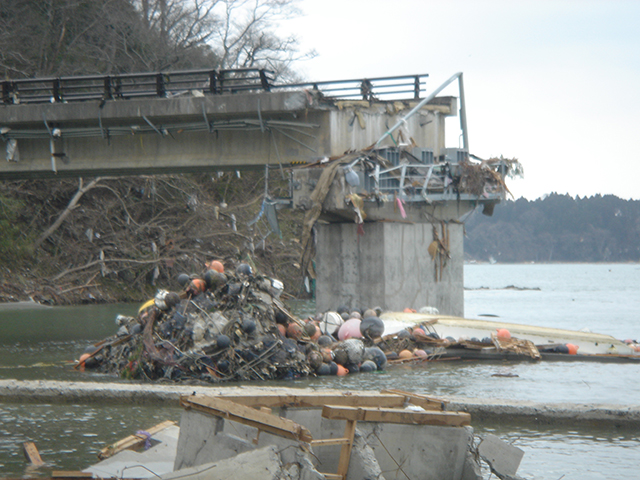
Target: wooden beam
{"x": 332, "y": 476}
{"x": 32, "y": 454}
{"x": 70, "y": 474}
{"x": 219, "y": 407}
{"x": 424, "y": 401}
{"x": 132, "y": 441}
{"x": 317, "y": 400}
{"x": 345, "y": 452}
{"x": 324, "y": 442}
{"x": 388, "y": 415}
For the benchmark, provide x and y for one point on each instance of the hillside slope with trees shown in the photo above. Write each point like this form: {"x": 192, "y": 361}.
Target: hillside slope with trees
{"x": 557, "y": 228}
{"x": 118, "y": 239}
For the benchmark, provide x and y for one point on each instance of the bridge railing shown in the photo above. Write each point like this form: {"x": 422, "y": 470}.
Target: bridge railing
{"x": 367, "y": 88}
{"x": 215, "y": 82}
{"x": 101, "y": 87}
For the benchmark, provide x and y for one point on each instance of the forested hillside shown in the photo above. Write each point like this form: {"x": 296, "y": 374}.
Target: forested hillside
{"x": 557, "y": 228}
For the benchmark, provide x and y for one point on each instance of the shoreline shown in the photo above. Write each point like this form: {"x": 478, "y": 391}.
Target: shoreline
{"x": 482, "y": 410}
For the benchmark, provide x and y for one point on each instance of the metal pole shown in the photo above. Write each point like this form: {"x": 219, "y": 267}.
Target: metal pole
{"x": 427, "y": 99}
{"x": 463, "y": 115}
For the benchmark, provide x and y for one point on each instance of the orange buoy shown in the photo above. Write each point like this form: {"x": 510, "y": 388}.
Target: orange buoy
{"x": 410, "y": 310}
{"x": 282, "y": 329}
{"x": 196, "y": 287}
{"x": 419, "y": 353}
{"x": 317, "y": 334}
{"x": 418, "y": 333}
{"x": 405, "y": 354}
{"x": 573, "y": 349}
{"x": 503, "y": 334}
{"x": 83, "y": 358}
{"x": 327, "y": 355}
{"x": 342, "y": 371}
{"x": 217, "y": 266}
{"x": 294, "y": 331}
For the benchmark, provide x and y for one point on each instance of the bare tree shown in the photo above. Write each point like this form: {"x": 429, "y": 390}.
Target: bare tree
{"x": 247, "y": 38}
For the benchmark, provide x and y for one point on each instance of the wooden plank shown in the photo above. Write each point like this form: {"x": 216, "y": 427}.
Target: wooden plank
{"x": 388, "y": 415}
{"x": 265, "y": 422}
{"x": 133, "y": 441}
{"x": 32, "y": 454}
{"x": 70, "y": 474}
{"x": 424, "y": 401}
{"x": 316, "y": 400}
{"x": 332, "y": 476}
{"x": 345, "y": 452}
{"x": 329, "y": 441}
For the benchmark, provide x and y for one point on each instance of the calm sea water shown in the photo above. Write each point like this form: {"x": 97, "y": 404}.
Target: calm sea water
{"x": 39, "y": 344}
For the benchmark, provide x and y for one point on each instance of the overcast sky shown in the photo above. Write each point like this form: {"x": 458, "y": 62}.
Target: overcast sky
{"x": 555, "y": 83}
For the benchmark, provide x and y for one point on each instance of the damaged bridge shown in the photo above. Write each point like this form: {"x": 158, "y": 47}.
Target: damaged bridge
{"x": 383, "y": 194}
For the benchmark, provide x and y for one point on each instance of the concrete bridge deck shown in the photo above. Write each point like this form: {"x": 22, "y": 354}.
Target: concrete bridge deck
{"x": 194, "y": 128}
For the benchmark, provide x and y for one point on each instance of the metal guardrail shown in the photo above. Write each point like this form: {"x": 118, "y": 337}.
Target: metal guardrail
{"x": 207, "y": 82}
{"x": 126, "y": 86}
{"x": 368, "y": 88}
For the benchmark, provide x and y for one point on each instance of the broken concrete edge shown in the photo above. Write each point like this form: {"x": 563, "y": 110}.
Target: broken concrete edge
{"x": 482, "y": 410}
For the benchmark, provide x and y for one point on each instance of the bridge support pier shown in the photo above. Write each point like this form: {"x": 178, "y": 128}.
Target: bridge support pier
{"x": 389, "y": 266}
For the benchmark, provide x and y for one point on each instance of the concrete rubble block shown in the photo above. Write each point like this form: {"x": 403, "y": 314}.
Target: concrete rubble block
{"x": 259, "y": 464}
{"x": 364, "y": 463}
{"x": 203, "y": 440}
{"x": 157, "y": 460}
{"x": 419, "y": 451}
{"x": 503, "y": 459}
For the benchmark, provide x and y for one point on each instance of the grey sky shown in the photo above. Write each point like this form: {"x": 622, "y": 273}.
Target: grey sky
{"x": 552, "y": 83}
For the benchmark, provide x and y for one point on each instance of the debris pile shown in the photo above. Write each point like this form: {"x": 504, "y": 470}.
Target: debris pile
{"x": 233, "y": 326}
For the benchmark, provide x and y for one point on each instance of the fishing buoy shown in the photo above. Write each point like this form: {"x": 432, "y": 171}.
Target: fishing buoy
{"x": 317, "y": 334}
{"x": 342, "y": 371}
{"x": 294, "y": 331}
{"x": 573, "y": 349}
{"x": 350, "y": 329}
{"x": 325, "y": 340}
{"x": 331, "y": 322}
{"x": 419, "y": 353}
{"x": 196, "y": 287}
{"x": 324, "y": 369}
{"x": 503, "y": 334}
{"x": 409, "y": 310}
{"x": 81, "y": 362}
{"x": 216, "y": 265}
{"x": 372, "y": 327}
{"x": 405, "y": 354}
{"x": 368, "y": 366}
{"x": 282, "y": 329}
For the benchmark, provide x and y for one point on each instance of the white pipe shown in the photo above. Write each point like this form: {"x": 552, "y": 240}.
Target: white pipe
{"x": 422, "y": 103}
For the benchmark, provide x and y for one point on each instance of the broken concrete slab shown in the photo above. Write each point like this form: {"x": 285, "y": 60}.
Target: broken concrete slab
{"x": 150, "y": 463}
{"x": 259, "y": 464}
{"x": 503, "y": 459}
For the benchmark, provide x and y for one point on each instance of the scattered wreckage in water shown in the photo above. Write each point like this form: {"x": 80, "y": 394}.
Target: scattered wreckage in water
{"x": 233, "y": 326}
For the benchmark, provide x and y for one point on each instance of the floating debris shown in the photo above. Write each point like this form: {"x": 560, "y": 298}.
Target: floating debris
{"x": 231, "y": 325}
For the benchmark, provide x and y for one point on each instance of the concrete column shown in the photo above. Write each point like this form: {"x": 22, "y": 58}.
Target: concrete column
{"x": 389, "y": 266}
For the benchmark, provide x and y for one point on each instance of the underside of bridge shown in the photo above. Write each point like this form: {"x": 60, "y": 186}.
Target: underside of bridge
{"x": 383, "y": 204}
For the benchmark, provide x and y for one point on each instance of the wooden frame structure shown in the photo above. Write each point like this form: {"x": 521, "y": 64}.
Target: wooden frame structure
{"x": 389, "y": 406}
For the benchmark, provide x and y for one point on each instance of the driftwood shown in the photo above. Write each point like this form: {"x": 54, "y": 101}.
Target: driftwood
{"x": 82, "y": 189}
